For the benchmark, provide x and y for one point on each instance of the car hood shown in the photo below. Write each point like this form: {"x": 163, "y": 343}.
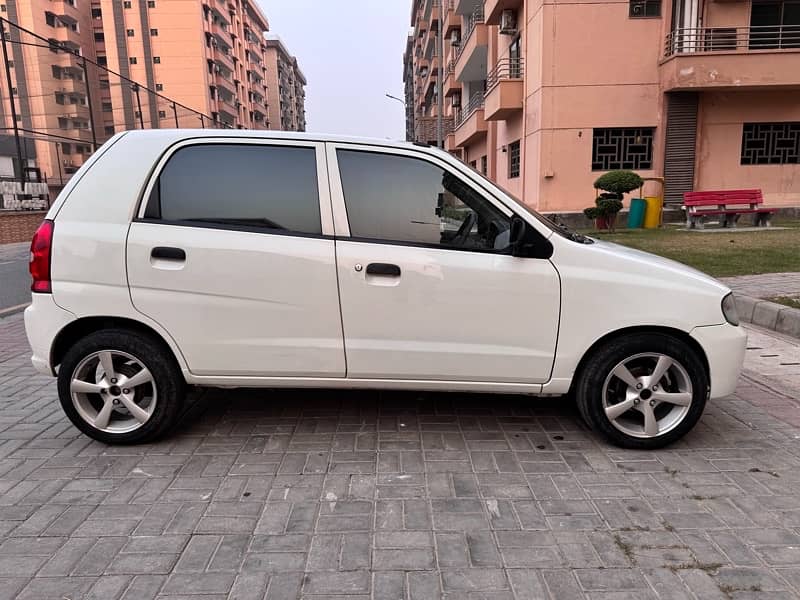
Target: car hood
{"x": 649, "y": 261}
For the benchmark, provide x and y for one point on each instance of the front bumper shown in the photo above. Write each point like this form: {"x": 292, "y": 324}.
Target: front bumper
{"x": 725, "y": 347}
{"x": 44, "y": 319}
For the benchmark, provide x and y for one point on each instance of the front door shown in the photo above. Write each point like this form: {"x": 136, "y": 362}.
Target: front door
{"x": 429, "y": 289}
{"x": 230, "y": 255}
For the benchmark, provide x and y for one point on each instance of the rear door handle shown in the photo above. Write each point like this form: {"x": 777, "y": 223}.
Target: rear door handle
{"x": 168, "y": 253}
{"x": 386, "y": 269}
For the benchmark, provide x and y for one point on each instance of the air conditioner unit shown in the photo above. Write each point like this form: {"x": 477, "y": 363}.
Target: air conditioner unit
{"x": 456, "y": 100}
{"x": 508, "y": 22}
{"x": 455, "y": 37}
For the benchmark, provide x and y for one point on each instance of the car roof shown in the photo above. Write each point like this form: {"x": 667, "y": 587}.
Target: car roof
{"x": 271, "y": 134}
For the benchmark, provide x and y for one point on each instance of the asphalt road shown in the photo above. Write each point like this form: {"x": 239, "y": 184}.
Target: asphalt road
{"x": 15, "y": 281}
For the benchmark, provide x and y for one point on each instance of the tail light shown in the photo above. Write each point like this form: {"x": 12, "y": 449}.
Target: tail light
{"x": 41, "y": 253}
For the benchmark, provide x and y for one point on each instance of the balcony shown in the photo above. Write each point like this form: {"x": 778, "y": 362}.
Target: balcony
{"x": 470, "y": 124}
{"x": 68, "y": 38}
{"x": 65, "y": 10}
{"x": 452, "y": 20}
{"x": 474, "y": 49}
{"x": 451, "y": 84}
{"x": 494, "y": 9}
{"x": 738, "y": 58}
{"x": 505, "y": 90}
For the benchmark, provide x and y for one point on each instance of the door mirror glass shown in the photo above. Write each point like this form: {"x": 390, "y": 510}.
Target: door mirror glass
{"x": 518, "y": 234}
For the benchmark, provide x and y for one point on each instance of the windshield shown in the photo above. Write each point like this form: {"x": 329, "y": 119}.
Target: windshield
{"x": 554, "y": 224}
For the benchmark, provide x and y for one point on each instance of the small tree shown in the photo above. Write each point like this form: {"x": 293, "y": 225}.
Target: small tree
{"x": 619, "y": 182}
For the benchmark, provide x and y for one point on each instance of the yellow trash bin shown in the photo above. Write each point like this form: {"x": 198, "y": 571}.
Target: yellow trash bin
{"x": 652, "y": 215}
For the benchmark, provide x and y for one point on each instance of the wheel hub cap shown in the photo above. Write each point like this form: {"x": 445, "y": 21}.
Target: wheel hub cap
{"x": 647, "y": 395}
{"x": 113, "y": 391}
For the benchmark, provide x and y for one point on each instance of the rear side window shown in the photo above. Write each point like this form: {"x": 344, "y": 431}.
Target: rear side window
{"x": 246, "y": 185}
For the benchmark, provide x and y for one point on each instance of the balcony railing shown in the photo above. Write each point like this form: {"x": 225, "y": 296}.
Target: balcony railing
{"x": 475, "y": 103}
{"x": 475, "y": 19}
{"x": 732, "y": 39}
{"x": 506, "y": 68}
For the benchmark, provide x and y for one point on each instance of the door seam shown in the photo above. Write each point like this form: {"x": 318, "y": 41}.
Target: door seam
{"x": 336, "y": 259}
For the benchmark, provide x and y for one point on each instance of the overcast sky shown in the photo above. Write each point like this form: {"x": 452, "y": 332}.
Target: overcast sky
{"x": 351, "y": 52}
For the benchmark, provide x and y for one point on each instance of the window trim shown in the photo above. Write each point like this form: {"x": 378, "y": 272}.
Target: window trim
{"x": 342, "y": 224}
{"x": 323, "y": 189}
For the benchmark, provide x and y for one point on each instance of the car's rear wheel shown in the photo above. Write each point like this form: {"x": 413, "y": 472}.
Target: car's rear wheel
{"x": 120, "y": 387}
{"x": 643, "y": 390}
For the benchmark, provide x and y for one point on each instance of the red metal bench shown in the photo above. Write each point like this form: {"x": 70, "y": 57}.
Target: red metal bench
{"x": 729, "y": 205}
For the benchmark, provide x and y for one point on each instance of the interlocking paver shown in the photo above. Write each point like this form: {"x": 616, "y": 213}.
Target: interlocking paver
{"x": 278, "y": 495}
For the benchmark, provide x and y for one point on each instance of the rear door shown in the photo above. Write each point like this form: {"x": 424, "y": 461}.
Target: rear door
{"x": 429, "y": 288}
{"x": 233, "y": 255}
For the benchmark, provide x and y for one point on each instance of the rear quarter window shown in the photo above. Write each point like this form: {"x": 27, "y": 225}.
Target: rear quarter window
{"x": 239, "y": 185}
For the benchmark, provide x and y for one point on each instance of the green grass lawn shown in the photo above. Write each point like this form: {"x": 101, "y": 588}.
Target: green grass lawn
{"x": 720, "y": 254}
{"x": 786, "y": 301}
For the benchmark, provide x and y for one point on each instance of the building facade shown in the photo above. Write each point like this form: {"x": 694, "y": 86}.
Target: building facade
{"x": 544, "y": 96}
{"x": 198, "y": 63}
{"x": 286, "y": 84}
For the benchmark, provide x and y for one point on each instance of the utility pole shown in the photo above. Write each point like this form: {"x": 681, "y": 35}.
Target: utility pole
{"x": 135, "y": 87}
{"x": 175, "y": 111}
{"x": 89, "y": 101}
{"x": 440, "y": 83}
{"x": 12, "y": 102}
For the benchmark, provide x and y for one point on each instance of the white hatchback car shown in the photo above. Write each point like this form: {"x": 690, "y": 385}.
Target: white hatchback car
{"x": 241, "y": 258}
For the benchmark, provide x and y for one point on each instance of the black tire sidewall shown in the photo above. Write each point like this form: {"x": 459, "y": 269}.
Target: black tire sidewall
{"x": 593, "y": 376}
{"x": 158, "y": 360}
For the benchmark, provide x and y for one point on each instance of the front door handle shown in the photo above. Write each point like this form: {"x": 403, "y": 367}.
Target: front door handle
{"x": 168, "y": 253}
{"x": 385, "y": 269}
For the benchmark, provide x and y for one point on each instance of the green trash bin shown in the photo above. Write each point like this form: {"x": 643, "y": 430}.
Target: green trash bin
{"x": 636, "y": 213}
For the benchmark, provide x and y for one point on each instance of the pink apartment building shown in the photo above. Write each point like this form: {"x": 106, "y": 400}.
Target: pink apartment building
{"x": 215, "y": 57}
{"x": 544, "y": 96}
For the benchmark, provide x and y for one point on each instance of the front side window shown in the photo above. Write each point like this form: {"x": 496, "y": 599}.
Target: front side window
{"x": 240, "y": 185}
{"x": 409, "y": 200}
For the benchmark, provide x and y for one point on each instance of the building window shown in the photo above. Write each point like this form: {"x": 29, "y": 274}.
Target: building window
{"x": 107, "y": 107}
{"x": 133, "y": 60}
{"x": 126, "y": 4}
{"x": 10, "y": 64}
{"x": 97, "y": 13}
{"x": 640, "y": 9}
{"x": 162, "y": 114}
{"x": 99, "y": 36}
{"x": 513, "y": 159}
{"x": 622, "y": 148}
{"x": 102, "y": 61}
{"x": 154, "y": 32}
{"x": 50, "y": 19}
{"x": 3, "y": 8}
{"x": 484, "y": 164}
{"x": 472, "y": 163}
{"x": 129, "y": 32}
{"x": 156, "y": 60}
{"x": 109, "y": 130}
{"x": 159, "y": 87}
{"x": 151, "y": 3}
{"x": 771, "y": 143}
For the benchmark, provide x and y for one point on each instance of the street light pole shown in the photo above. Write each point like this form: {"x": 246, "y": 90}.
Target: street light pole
{"x": 440, "y": 83}
{"x": 400, "y": 100}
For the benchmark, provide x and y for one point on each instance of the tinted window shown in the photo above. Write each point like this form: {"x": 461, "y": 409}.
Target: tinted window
{"x": 405, "y": 199}
{"x": 258, "y": 186}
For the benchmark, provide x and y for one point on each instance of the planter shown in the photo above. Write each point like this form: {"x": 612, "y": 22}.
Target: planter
{"x": 601, "y": 223}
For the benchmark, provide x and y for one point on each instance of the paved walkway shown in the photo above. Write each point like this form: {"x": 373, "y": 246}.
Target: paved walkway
{"x": 319, "y": 494}
{"x": 768, "y": 285}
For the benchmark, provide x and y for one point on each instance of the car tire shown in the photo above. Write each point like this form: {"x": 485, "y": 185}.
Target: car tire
{"x": 643, "y": 391}
{"x": 103, "y": 407}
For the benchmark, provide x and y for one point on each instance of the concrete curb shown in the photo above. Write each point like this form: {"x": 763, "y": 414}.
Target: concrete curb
{"x": 769, "y": 315}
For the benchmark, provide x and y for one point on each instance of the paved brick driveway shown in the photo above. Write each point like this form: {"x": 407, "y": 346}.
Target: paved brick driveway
{"x": 361, "y": 495}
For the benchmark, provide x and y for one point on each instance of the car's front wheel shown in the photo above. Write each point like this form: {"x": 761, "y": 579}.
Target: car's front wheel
{"x": 643, "y": 390}
{"x": 120, "y": 387}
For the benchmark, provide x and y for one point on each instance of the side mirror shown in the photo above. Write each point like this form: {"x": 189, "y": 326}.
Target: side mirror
{"x": 518, "y": 233}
